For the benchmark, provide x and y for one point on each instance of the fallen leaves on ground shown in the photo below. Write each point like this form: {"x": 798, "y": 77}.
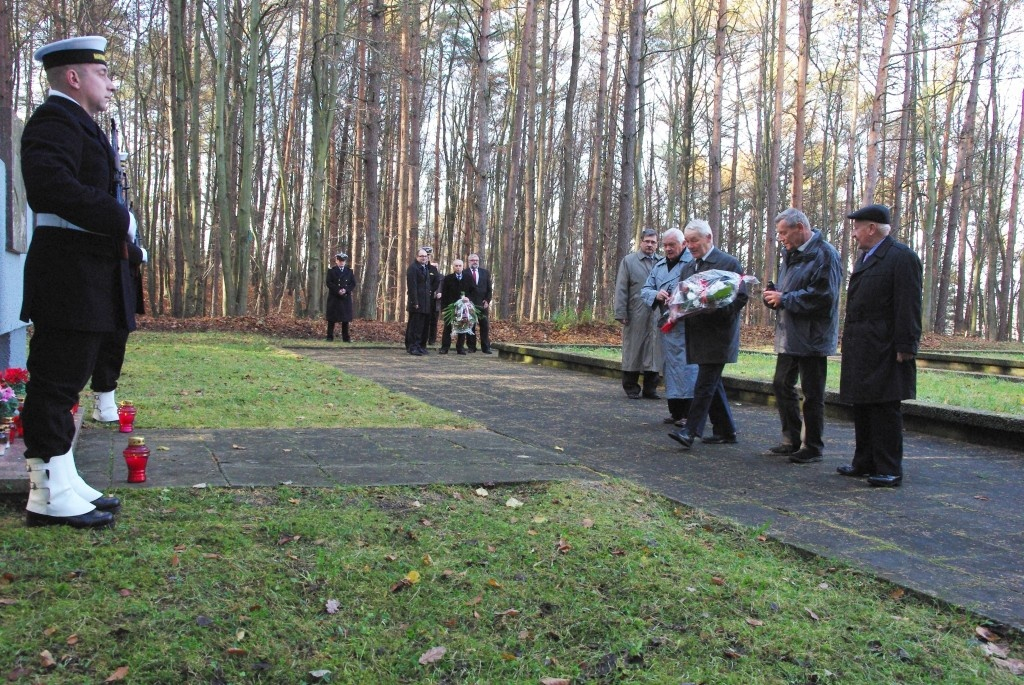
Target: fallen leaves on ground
{"x": 432, "y": 655}
{"x": 119, "y": 674}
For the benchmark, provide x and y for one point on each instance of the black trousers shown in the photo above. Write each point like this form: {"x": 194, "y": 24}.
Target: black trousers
{"x": 416, "y": 331}
{"x": 878, "y": 432}
{"x": 109, "y": 361}
{"x": 812, "y": 372}
{"x": 432, "y": 326}
{"x": 59, "y": 365}
{"x": 344, "y": 330}
{"x": 446, "y": 339}
{"x": 485, "y": 333}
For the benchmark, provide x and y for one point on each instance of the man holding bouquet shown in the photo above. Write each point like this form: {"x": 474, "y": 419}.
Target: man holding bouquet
{"x": 454, "y": 287}
{"x": 712, "y": 341}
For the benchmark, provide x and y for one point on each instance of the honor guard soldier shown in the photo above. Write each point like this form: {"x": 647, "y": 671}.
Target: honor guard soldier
{"x": 74, "y": 290}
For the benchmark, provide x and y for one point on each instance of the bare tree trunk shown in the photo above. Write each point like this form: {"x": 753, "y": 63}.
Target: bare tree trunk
{"x": 629, "y": 129}
{"x": 909, "y": 96}
{"x": 715, "y": 152}
{"x": 524, "y": 82}
{"x": 483, "y": 120}
{"x": 875, "y": 133}
{"x": 246, "y": 167}
{"x": 775, "y": 161}
{"x": 1005, "y": 296}
{"x": 800, "y": 132}
{"x": 964, "y": 149}
{"x": 371, "y": 150}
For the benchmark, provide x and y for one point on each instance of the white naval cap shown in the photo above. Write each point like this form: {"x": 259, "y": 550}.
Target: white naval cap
{"x": 81, "y": 50}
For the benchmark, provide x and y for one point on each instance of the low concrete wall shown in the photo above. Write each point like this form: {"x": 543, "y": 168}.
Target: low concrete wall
{"x": 958, "y": 423}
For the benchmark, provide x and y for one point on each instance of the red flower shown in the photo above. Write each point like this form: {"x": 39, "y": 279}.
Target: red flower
{"x": 15, "y": 376}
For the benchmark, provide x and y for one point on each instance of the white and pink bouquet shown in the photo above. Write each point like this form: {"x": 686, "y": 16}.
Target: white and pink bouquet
{"x": 704, "y": 292}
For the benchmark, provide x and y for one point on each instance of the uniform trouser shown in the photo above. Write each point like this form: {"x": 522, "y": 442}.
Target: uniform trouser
{"x": 109, "y": 361}
{"x": 432, "y": 328}
{"x": 812, "y": 371}
{"x": 485, "y": 332}
{"x": 878, "y": 431}
{"x": 446, "y": 339}
{"x": 59, "y": 365}
{"x": 709, "y": 400}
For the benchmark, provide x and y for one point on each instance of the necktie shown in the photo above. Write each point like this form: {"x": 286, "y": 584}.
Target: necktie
{"x": 475, "y": 278}
{"x": 700, "y": 264}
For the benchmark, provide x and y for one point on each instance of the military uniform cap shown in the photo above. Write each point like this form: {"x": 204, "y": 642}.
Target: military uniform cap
{"x": 81, "y": 50}
{"x": 341, "y": 255}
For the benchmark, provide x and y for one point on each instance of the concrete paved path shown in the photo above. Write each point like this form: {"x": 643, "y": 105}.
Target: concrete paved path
{"x": 954, "y": 531}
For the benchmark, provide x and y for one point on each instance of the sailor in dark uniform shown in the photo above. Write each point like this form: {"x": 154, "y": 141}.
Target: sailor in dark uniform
{"x": 74, "y": 294}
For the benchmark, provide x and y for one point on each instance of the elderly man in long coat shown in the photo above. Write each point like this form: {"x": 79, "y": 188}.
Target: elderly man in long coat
{"x": 680, "y": 376}
{"x": 880, "y": 340}
{"x": 641, "y": 343}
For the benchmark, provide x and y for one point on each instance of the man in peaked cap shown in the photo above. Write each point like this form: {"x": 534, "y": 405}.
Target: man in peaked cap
{"x": 74, "y": 292}
{"x": 880, "y": 339}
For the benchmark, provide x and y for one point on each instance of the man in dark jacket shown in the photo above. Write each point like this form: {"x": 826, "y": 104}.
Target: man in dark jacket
{"x": 74, "y": 291}
{"x": 712, "y": 341}
{"x": 806, "y": 332}
{"x": 454, "y": 287}
{"x": 880, "y": 339}
{"x": 418, "y": 297}
{"x": 481, "y": 297}
{"x": 341, "y": 282}
{"x": 430, "y": 330}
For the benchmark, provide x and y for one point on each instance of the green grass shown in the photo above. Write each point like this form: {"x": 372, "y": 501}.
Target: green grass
{"x": 597, "y": 582}
{"x": 225, "y": 380}
{"x": 938, "y": 387}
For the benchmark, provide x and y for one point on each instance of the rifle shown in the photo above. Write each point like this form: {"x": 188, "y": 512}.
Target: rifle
{"x": 120, "y": 177}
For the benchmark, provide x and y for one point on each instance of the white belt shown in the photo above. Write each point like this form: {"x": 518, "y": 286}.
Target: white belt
{"x": 56, "y": 222}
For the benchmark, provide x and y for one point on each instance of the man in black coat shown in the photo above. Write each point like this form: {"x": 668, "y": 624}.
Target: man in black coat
{"x": 481, "y": 297}
{"x": 454, "y": 286}
{"x": 74, "y": 291}
{"x": 418, "y": 297}
{"x": 430, "y": 331}
{"x": 880, "y": 340}
{"x": 712, "y": 341}
{"x": 341, "y": 282}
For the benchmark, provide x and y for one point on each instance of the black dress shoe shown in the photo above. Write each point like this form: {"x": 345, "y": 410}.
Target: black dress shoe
{"x": 111, "y": 504}
{"x": 683, "y": 438}
{"x": 462, "y": 352}
{"x": 885, "y": 481}
{"x": 720, "y": 439}
{"x": 487, "y": 351}
{"x": 851, "y": 471}
{"x": 90, "y": 519}
{"x": 633, "y": 395}
{"x": 651, "y": 396}
{"x": 442, "y": 351}
{"x": 669, "y": 419}
{"x": 784, "y": 448}
{"x": 803, "y": 456}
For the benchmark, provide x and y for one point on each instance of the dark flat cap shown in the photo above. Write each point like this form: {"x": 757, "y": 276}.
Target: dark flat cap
{"x": 879, "y": 214}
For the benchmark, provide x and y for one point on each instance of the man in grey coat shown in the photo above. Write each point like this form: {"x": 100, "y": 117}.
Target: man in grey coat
{"x": 806, "y": 332}
{"x": 641, "y": 344}
{"x": 880, "y": 340}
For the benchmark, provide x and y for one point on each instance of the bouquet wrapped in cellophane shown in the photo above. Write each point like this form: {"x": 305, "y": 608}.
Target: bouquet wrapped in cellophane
{"x": 704, "y": 292}
{"x": 462, "y": 315}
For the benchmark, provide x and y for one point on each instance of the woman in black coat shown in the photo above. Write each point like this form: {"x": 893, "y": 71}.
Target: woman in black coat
{"x": 340, "y": 284}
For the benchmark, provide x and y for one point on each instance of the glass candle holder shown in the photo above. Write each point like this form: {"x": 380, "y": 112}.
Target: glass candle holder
{"x": 136, "y": 456}
{"x": 126, "y": 417}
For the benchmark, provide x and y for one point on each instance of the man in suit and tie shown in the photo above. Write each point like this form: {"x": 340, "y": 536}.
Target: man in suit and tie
{"x": 74, "y": 291}
{"x": 418, "y": 296}
{"x": 712, "y": 341}
{"x": 481, "y": 297}
{"x": 880, "y": 339}
{"x": 454, "y": 286}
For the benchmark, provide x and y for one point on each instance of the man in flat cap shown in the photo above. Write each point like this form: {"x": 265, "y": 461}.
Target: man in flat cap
{"x": 429, "y": 336}
{"x": 880, "y": 338}
{"x": 74, "y": 292}
{"x": 341, "y": 282}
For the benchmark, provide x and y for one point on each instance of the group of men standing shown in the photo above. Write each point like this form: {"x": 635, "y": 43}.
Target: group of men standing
{"x": 881, "y": 333}
{"x": 428, "y": 294}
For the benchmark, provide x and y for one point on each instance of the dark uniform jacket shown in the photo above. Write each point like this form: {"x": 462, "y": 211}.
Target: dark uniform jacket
{"x": 883, "y": 317}
{"x": 74, "y": 279}
{"x": 435, "y": 286}
{"x": 417, "y": 288}
{"x": 339, "y": 307}
{"x": 714, "y": 337}
{"x": 809, "y": 280}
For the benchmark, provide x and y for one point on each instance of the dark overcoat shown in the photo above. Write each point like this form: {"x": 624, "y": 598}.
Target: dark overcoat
{"x": 883, "y": 317}
{"x": 417, "y": 289}
{"x": 74, "y": 278}
{"x": 339, "y": 307}
{"x": 452, "y": 289}
{"x": 714, "y": 337}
